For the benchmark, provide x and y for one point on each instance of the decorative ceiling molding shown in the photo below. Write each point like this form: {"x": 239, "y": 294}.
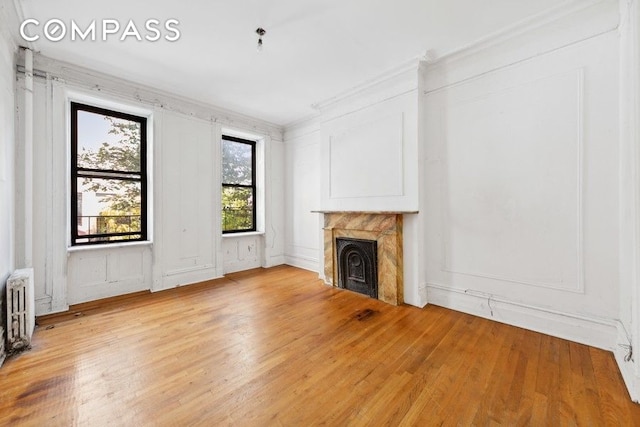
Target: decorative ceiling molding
{"x": 402, "y": 72}
{"x": 526, "y": 25}
{"x": 103, "y": 83}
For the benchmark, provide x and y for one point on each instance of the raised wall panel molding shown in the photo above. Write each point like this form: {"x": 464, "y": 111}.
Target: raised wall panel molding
{"x": 98, "y": 272}
{"x": 369, "y": 158}
{"x": 186, "y": 215}
{"x": 57, "y": 173}
{"x": 477, "y": 220}
{"x": 359, "y": 169}
{"x": 242, "y": 252}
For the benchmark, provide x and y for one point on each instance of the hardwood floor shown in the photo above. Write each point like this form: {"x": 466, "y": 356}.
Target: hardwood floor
{"x": 277, "y": 347}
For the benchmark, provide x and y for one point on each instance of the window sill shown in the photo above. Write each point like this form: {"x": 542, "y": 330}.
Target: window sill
{"x": 105, "y": 247}
{"x": 248, "y": 233}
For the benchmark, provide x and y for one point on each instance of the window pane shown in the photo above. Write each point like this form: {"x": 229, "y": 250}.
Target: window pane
{"x": 106, "y": 142}
{"x": 237, "y": 209}
{"x": 236, "y": 163}
{"x": 109, "y": 206}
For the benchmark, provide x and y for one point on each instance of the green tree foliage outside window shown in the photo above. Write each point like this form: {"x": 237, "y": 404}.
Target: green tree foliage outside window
{"x": 238, "y": 185}
{"x": 113, "y": 173}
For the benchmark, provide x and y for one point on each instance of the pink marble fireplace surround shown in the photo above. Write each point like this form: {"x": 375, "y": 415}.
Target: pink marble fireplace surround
{"x": 383, "y": 227}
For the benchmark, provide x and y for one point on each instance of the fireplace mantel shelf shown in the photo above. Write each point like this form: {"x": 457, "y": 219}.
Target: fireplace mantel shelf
{"x": 368, "y": 212}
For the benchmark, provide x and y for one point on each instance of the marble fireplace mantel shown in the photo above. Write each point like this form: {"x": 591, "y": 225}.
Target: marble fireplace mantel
{"x": 385, "y": 227}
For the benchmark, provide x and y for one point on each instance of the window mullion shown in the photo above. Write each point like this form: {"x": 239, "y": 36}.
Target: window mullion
{"x": 237, "y": 185}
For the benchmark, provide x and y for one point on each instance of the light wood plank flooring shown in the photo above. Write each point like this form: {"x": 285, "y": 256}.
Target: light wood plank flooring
{"x": 277, "y": 347}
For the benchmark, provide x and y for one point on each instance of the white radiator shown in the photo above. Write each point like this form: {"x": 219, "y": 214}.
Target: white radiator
{"x": 21, "y": 319}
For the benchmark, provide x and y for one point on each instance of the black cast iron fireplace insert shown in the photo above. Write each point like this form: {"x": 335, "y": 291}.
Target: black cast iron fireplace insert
{"x": 358, "y": 265}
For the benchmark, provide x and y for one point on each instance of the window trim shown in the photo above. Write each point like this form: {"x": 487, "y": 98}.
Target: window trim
{"x": 78, "y": 172}
{"x": 253, "y": 186}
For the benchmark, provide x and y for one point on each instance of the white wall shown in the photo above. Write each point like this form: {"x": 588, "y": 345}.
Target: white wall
{"x": 522, "y": 179}
{"x": 369, "y": 148}
{"x": 265, "y": 246}
{"x": 186, "y": 171}
{"x": 519, "y": 175}
{"x": 629, "y": 327}
{"x": 7, "y": 145}
{"x": 360, "y": 154}
{"x": 186, "y": 244}
{"x": 242, "y": 253}
{"x": 303, "y": 242}
{"x": 274, "y": 195}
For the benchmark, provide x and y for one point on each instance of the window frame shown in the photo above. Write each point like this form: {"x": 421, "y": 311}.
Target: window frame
{"x": 80, "y": 172}
{"x": 253, "y": 185}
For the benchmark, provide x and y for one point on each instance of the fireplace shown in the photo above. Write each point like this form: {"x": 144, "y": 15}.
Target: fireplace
{"x": 358, "y": 265}
{"x": 383, "y": 228}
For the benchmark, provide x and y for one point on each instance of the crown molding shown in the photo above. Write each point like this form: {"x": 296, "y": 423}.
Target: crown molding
{"x": 519, "y": 28}
{"x": 303, "y": 122}
{"x": 96, "y": 81}
{"x": 402, "y": 73}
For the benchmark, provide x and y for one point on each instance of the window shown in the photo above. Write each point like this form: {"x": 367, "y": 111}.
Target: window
{"x": 108, "y": 176}
{"x": 238, "y": 185}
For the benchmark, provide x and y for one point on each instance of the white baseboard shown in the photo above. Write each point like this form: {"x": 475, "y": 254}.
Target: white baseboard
{"x": 274, "y": 260}
{"x": 423, "y": 296}
{"x": 234, "y": 267}
{"x": 306, "y": 263}
{"x": 627, "y": 369}
{"x": 593, "y": 331}
{"x": 43, "y": 305}
{"x": 184, "y": 278}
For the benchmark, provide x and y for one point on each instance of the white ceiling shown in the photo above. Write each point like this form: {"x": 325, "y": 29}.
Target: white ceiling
{"x": 313, "y": 49}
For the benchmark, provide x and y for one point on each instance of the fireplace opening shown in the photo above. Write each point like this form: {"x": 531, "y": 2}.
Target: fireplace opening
{"x": 358, "y": 265}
